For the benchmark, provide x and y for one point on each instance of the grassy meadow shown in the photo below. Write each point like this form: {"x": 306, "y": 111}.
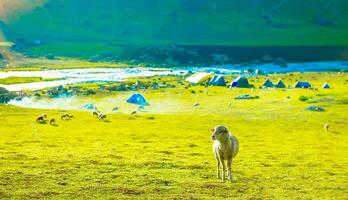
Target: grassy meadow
{"x": 165, "y": 153}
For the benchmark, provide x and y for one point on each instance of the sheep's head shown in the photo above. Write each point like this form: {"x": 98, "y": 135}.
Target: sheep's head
{"x": 219, "y": 132}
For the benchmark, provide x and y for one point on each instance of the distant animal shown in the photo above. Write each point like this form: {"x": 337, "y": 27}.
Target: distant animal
{"x": 52, "y": 121}
{"x": 206, "y": 91}
{"x": 133, "y": 113}
{"x": 41, "y": 118}
{"x": 327, "y": 126}
{"x": 66, "y": 116}
{"x": 95, "y": 113}
{"x": 225, "y": 148}
{"x": 229, "y": 104}
{"x": 115, "y": 109}
{"x": 102, "y": 117}
{"x": 196, "y": 104}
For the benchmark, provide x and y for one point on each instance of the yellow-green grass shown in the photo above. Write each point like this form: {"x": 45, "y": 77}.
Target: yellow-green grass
{"x": 20, "y": 63}
{"x": 285, "y": 153}
{"x": 16, "y": 80}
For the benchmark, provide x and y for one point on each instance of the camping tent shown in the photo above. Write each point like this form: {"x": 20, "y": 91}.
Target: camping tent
{"x": 300, "y": 84}
{"x": 199, "y": 77}
{"x": 280, "y": 84}
{"x": 326, "y": 86}
{"x": 137, "y": 99}
{"x": 240, "y": 82}
{"x": 90, "y": 106}
{"x": 217, "y": 80}
{"x": 268, "y": 83}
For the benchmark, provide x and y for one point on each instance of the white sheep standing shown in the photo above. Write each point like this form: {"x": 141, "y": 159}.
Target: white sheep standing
{"x": 225, "y": 148}
{"x": 327, "y": 126}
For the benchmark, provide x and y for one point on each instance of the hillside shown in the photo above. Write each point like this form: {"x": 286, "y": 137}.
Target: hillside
{"x": 73, "y": 28}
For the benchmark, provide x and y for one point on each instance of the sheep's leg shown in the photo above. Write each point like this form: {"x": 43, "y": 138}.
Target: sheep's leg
{"x": 223, "y": 170}
{"x": 218, "y": 168}
{"x": 229, "y": 167}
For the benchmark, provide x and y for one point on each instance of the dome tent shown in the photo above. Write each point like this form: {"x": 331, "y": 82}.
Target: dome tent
{"x": 90, "y": 106}
{"x": 300, "y": 84}
{"x": 138, "y": 99}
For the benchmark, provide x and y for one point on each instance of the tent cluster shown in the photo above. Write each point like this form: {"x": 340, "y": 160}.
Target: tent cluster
{"x": 217, "y": 80}
{"x": 241, "y": 81}
{"x": 268, "y": 83}
{"x": 209, "y": 78}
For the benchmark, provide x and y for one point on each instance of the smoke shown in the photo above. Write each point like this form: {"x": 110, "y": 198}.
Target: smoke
{"x": 11, "y": 10}
{"x": 158, "y": 105}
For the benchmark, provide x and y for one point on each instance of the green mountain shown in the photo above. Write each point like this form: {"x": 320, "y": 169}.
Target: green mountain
{"x": 89, "y": 26}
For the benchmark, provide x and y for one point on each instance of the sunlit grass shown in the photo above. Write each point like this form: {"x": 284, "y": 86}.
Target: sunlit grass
{"x": 285, "y": 151}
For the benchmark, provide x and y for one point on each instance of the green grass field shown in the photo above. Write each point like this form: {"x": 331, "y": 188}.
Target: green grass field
{"x": 16, "y": 80}
{"x": 285, "y": 153}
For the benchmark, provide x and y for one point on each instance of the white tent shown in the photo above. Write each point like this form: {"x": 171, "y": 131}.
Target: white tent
{"x": 199, "y": 77}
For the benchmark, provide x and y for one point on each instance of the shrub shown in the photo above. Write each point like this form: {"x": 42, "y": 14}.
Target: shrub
{"x": 6, "y": 96}
{"x": 303, "y": 98}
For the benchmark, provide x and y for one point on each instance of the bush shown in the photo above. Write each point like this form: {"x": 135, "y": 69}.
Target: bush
{"x": 303, "y": 98}
{"x": 6, "y": 96}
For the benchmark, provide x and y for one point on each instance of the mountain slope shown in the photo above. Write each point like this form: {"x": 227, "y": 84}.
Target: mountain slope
{"x": 209, "y": 22}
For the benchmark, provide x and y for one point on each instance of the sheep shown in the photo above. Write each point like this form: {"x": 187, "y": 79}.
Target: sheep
{"x": 95, "y": 113}
{"x": 230, "y": 104}
{"x": 206, "y": 91}
{"x": 115, "y": 109}
{"x": 52, "y": 121}
{"x": 102, "y": 117}
{"x": 196, "y": 104}
{"x": 225, "y": 148}
{"x": 66, "y": 116}
{"x": 327, "y": 126}
{"x": 133, "y": 113}
{"x": 41, "y": 118}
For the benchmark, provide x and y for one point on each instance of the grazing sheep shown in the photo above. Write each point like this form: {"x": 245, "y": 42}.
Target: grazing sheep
{"x": 327, "y": 126}
{"x": 41, "y": 118}
{"x": 133, "y": 114}
{"x": 52, "y": 121}
{"x": 115, "y": 109}
{"x": 225, "y": 148}
{"x": 206, "y": 91}
{"x": 230, "y": 104}
{"x": 196, "y": 104}
{"x": 95, "y": 113}
{"x": 65, "y": 116}
{"x": 102, "y": 117}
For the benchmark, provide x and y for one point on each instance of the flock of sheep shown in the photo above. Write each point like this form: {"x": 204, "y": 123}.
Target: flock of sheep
{"x": 225, "y": 146}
